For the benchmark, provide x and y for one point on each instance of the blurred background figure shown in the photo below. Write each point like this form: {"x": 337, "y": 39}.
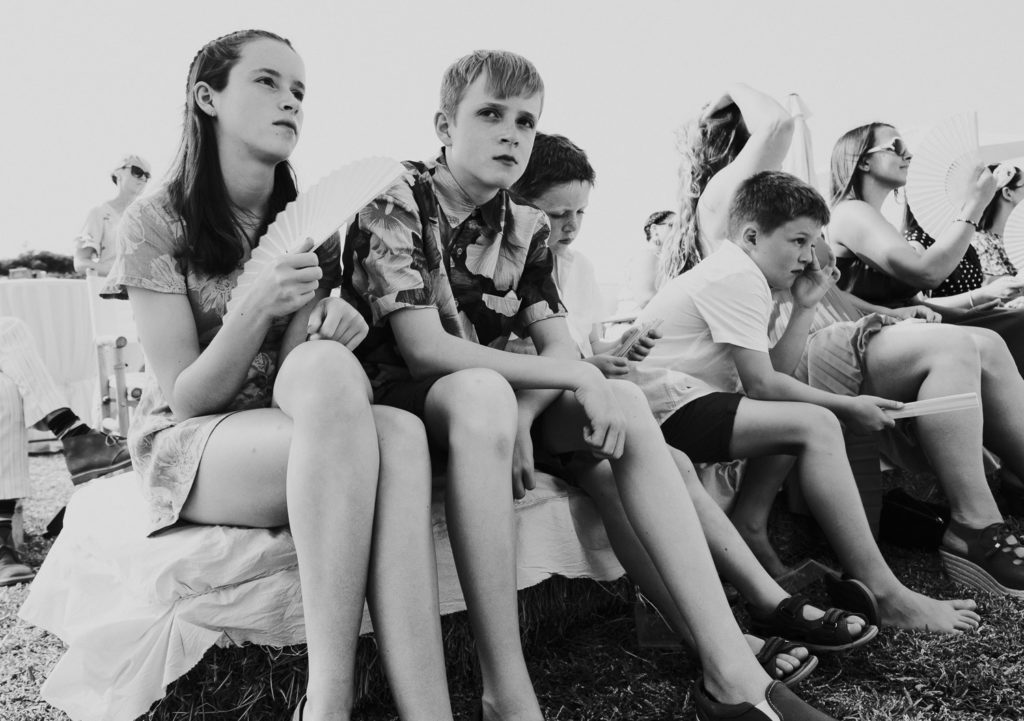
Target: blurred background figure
{"x": 95, "y": 246}
{"x": 28, "y": 396}
{"x": 643, "y": 267}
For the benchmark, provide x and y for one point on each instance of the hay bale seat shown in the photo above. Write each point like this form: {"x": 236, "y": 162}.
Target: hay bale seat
{"x": 137, "y": 613}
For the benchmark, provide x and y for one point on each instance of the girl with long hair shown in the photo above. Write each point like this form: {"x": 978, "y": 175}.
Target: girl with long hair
{"x": 723, "y": 144}
{"x": 246, "y": 422}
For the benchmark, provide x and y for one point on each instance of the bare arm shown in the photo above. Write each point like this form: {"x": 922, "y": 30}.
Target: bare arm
{"x": 762, "y": 382}
{"x": 862, "y": 229}
{"x": 771, "y": 131}
{"x": 197, "y": 383}
{"x": 430, "y": 351}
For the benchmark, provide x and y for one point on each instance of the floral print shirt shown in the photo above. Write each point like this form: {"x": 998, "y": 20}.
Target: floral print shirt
{"x": 423, "y": 243}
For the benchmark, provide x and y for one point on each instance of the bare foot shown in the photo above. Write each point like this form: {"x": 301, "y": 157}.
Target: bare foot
{"x": 763, "y": 551}
{"x": 785, "y": 663}
{"x": 911, "y": 610}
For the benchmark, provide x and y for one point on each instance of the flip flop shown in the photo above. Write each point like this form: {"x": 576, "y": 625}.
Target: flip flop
{"x": 775, "y": 645}
{"x": 852, "y": 595}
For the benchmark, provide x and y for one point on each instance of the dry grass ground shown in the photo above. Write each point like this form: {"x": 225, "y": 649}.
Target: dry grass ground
{"x": 584, "y": 659}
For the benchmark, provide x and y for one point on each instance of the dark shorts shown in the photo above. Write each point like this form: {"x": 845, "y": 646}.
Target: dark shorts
{"x": 564, "y": 466}
{"x": 702, "y": 429}
{"x": 407, "y": 395}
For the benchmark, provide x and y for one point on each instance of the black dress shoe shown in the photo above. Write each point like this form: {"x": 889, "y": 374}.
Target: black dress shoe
{"x": 12, "y": 570}
{"x": 780, "y": 704}
{"x": 94, "y": 454}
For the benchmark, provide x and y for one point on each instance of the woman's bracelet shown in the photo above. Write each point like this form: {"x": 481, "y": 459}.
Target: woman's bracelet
{"x": 970, "y": 297}
{"x": 969, "y": 222}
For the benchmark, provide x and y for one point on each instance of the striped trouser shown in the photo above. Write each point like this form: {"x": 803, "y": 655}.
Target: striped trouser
{"x": 21, "y": 363}
{"x": 14, "y": 481}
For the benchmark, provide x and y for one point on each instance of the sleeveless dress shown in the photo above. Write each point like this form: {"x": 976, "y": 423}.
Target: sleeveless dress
{"x": 875, "y": 286}
{"x": 166, "y": 451}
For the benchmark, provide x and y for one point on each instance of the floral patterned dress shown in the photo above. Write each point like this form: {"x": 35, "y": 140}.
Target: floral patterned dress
{"x": 166, "y": 451}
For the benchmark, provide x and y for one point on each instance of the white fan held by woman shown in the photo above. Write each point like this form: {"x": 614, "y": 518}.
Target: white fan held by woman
{"x": 317, "y": 213}
{"x": 942, "y": 171}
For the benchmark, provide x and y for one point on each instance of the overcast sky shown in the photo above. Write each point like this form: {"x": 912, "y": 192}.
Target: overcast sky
{"x": 89, "y": 82}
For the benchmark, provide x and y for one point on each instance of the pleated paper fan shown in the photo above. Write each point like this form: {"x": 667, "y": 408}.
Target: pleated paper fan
{"x": 1013, "y": 238}
{"x": 941, "y": 172}
{"x": 317, "y": 213}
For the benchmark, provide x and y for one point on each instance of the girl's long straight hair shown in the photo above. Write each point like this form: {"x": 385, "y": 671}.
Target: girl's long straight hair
{"x": 215, "y": 238}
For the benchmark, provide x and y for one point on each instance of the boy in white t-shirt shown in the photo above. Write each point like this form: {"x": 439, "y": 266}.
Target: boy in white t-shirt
{"x": 715, "y": 321}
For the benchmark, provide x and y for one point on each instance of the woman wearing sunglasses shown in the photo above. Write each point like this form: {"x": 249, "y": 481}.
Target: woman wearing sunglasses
{"x": 879, "y": 266}
{"x": 95, "y": 247}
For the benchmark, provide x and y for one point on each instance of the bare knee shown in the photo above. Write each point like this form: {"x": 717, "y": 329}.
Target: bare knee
{"x": 992, "y": 350}
{"x": 403, "y": 446}
{"x": 322, "y": 375}
{"x": 964, "y": 360}
{"x": 815, "y": 426}
{"x": 631, "y": 398}
{"x": 479, "y": 406}
{"x": 401, "y": 432}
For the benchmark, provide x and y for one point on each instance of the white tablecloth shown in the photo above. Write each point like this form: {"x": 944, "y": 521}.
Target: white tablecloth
{"x": 56, "y": 310}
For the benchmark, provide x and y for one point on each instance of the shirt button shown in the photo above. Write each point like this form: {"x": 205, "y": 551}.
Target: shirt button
{"x": 458, "y": 252}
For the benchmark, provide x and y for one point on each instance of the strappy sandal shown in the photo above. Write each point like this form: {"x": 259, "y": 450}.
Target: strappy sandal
{"x": 990, "y": 563}
{"x": 773, "y": 646}
{"x": 853, "y": 595}
{"x": 828, "y": 634}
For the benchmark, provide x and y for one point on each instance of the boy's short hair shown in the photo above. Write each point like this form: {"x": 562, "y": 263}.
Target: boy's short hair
{"x": 555, "y": 160}
{"x": 771, "y": 199}
{"x": 658, "y": 217}
{"x": 508, "y": 75}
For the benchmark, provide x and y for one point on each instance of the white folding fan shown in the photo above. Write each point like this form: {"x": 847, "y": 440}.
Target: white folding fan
{"x": 1013, "y": 237}
{"x": 942, "y": 170}
{"x": 317, "y": 213}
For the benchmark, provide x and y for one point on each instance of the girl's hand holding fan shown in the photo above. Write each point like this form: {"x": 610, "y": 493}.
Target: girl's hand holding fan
{"x": 311, "y": 218}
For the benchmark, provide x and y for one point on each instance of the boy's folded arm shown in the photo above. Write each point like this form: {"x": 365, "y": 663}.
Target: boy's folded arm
{"x": 431, "y": 351}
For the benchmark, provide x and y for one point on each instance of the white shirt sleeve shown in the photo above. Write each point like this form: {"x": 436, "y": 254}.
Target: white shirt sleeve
{"x": 736, "y": 308}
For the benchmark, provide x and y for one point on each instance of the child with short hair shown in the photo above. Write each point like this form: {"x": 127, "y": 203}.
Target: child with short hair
{"x": 715, "y": 325}
{"x": 446, "y": 265}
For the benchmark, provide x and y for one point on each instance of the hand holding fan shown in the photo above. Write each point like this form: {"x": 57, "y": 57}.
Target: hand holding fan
{"x": 942, "y": 172}
{"x": 317, "y": 213}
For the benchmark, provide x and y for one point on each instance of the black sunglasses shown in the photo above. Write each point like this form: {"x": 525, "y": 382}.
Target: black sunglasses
{"x": 137, "y": 172}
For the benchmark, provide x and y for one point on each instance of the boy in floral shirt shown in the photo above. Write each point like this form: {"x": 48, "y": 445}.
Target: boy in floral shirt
{"x": 446, "y": 265}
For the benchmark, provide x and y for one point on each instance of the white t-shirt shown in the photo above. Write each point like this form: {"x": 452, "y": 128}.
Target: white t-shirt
{"x": 580, "y": 294}
{"x": 723, "y": 301}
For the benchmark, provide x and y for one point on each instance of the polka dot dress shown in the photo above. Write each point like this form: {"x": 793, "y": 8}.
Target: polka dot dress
{"x": 968, "y": 275}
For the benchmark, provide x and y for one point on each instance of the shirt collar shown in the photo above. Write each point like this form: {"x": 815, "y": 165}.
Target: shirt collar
{"x": 457, "y": 205}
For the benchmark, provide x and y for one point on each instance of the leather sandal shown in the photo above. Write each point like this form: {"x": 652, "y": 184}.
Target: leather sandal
{"x": 990, "y": 562}
{"x": 828, "y": 634}
{"x": 775, "y": 645}
{"x": 780, "y": 704}
{"x": 853, "y": 595}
